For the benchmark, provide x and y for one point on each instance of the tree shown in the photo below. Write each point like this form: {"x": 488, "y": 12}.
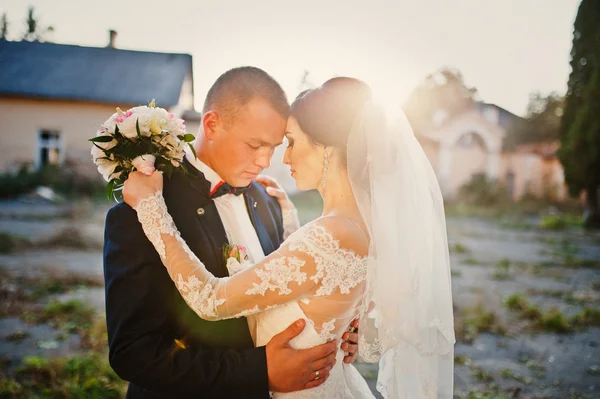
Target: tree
{"x": 541, "y": 124}
{"x": 443, "y": 91}
{"x": 4, "y": 27}
{"x": 35, "y": 32}
{"x": 580, "y": 126}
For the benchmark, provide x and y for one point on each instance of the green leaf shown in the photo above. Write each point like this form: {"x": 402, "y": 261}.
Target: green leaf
{"x": 188, "y": 137}
{"x": 137, "y": 127}
{"x": 101, "y": 139}
{"x": 193, "y": 151}
{"x": 118, "y": 134}
{"x": 109, "y": 188}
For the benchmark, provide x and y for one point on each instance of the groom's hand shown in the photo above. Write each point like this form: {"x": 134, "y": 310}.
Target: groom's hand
{"x": 294, "y": 370}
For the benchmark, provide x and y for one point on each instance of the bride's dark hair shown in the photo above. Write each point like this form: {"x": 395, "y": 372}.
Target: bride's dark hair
{"x": 326, "y": 114}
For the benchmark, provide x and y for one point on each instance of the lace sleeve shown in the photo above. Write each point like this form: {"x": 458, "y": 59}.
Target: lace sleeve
{"x": 291, "y": 223}
{"x": 306, "y": 264}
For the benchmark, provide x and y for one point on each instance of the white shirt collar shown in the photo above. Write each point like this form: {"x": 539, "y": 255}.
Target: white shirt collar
{"x": 210, "y": 175}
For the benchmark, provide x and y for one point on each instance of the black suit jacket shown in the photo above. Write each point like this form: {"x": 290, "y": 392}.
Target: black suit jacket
{"x": 156, "y": 342}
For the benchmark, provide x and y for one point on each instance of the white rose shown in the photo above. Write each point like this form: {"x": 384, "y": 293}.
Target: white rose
{"x": 175, "y": 126}
{"x": 106, "y": 168}
{"x": 127, "y": 127}
{"x": 105, "y": 146}
{"x": 96, "y": 153}
{"x": 160, "y": 113}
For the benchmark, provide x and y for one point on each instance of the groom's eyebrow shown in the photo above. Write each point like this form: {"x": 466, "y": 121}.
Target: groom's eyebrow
{"x": 267, "y": 144}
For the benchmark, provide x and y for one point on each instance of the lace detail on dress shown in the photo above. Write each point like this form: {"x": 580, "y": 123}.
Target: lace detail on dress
{"x": 326, "y": 330}
{"x": 155, "y": 220}
{"x": 199, "y": 296}
{"x": 336, "y": 267}
{"x": 277, "y": 274}
{"x": 291, "y": 223}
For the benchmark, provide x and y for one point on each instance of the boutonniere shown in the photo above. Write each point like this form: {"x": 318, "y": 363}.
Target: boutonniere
{"x": 236, "y": 258}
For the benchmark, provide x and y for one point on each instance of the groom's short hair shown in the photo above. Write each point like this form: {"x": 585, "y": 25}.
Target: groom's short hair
{"x": 236, "y": 87}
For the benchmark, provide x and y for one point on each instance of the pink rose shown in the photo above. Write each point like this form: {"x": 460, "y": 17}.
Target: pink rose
{"x": 124, "y": 116}
{"x": 243, "y": 252}
{"x": 238, "y": 252}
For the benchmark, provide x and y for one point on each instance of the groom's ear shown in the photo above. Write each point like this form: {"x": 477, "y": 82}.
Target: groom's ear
{"x": 210, "y": 124}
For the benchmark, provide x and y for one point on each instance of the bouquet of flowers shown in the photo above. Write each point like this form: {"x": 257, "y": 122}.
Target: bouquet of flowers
{"x": 143, "y": 138}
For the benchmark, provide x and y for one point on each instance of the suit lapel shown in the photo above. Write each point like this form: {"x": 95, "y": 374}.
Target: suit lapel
{"x": 205, "y": 211}
{"x": 253, "y": 207}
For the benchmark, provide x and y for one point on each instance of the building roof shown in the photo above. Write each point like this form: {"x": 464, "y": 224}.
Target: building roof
{"x": 505, "y": 117}
{"x": 92, "y": 74}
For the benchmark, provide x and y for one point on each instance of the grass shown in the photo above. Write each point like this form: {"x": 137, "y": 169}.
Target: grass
{"x": 587, "y": 317}
{"x": 72, "y": 316}
{"x": 472, "y": 322}
{"x": 484, "y": 395}
{"x": 459, "y": 248}
{"x": 511, "y": 375}
{"x": 17, "y": 336}
{"x": 565, "y": 251}
{"x": 471, "y": 261}
{"x": 40, "y": 288}
{"x": 10, "y": 243}
{"x": 69, "y": 237}
{"x": 461, "y": 360}
{"x": 594, "y": 370}
{"x": 502, "y": 270}
{"x": 84, "y": 376}
{"x": 481, "y": 375}
{"x": 553, "y": 320}
{"x": 559, "y": 222}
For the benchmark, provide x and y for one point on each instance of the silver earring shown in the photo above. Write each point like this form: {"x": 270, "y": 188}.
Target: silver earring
{"x": 325, "y": 165}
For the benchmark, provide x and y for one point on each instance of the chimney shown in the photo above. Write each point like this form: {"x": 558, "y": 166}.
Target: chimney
{"x": 112, "y": 38}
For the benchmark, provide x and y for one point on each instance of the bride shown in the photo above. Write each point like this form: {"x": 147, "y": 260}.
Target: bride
{"x": 379, "y": 251}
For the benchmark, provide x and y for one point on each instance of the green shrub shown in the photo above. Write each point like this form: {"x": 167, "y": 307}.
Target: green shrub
{"x": 64, "y": 180}
{"x": 482, "y": 191}
{"x": 85, "y": 376}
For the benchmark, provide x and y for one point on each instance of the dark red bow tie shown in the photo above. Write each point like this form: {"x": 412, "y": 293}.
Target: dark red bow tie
{"x": 225, "y": 188}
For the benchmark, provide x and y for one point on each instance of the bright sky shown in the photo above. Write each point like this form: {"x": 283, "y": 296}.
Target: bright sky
{"x": 505, "y": 48}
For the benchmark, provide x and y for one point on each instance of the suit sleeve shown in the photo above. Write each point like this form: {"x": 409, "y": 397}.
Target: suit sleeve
{"x": 142, "y": 347}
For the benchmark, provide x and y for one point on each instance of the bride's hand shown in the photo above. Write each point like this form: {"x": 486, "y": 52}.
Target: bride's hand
{"x": 139, "y": 186}
{"x": 274, "y": 190}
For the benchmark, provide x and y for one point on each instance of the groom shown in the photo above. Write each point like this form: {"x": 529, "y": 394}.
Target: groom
{"x": 156, "y": 341}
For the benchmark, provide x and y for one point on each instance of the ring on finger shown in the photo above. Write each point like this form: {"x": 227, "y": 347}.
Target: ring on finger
{"x": 317, "y": 376}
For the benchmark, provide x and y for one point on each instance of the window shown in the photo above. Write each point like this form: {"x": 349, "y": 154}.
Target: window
{"x": 49, "y": 148}
{"x": 470, "y": 140}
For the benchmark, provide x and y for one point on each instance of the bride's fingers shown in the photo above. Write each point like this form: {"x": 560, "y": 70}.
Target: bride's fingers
{"x": 277, "y": 193}
{"x": 266, "y": 181}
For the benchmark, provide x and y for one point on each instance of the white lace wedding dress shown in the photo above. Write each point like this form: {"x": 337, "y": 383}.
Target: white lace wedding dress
{"x": 317, "y": 274}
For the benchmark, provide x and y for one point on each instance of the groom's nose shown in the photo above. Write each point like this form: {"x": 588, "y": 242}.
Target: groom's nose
{"x": 263, "y": 158}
